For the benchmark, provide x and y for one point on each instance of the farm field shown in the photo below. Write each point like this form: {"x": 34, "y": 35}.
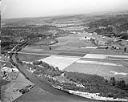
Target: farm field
{"x": 103, "y": 65}
{"x": 74, "y": 53}
{"x": 73, "y": 43}
{"x": 77, "y": 58}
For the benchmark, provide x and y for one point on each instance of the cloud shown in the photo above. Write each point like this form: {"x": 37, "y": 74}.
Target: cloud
{"x": 22, "y": 8}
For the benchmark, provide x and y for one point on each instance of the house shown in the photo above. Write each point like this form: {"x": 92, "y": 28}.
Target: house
{"x": 100, "y": 42}
{"x": 87, "y": 38}
{"x": 102, "y": 27}
{"x": 116, "y": 47}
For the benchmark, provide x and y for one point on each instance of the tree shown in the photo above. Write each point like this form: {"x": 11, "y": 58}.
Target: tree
{"x": 112, "y": 81}
{"x": 121, "y": 84}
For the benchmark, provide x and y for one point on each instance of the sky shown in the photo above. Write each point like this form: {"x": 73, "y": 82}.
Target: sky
{"x": 41, "y": 8}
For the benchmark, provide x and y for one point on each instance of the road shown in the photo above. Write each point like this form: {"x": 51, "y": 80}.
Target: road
{"x": 56, "y": 52}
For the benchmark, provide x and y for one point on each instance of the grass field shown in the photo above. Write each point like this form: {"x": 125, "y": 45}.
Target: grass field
{"x": 72, "y": 42}
{"x": 101, "y": 65}
{"x": 60, "y": 61}
{"x": 28, "y": 57}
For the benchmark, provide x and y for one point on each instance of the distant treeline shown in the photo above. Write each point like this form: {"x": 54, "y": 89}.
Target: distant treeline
{"x": 114, "y": 20}
{"x": 12, "y": 35}
{"x": 111, "y": 26}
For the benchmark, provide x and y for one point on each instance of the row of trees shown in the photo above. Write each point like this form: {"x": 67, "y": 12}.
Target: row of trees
{"x": 111, "y": 26}
{"x": 119, "y": 84}
{"x": 97, "y": 84}
{"x": 45, "y": 69}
